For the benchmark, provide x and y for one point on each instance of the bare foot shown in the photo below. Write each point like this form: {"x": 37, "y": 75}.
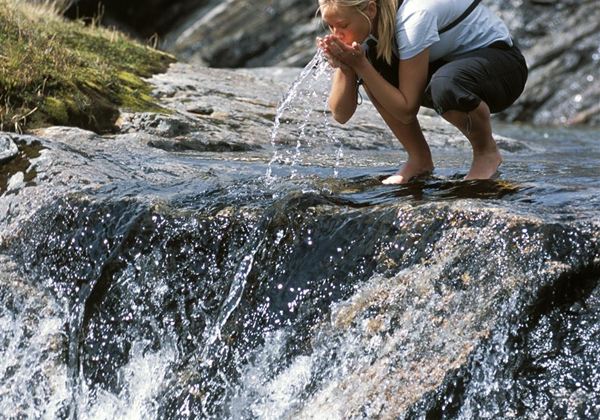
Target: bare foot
{"x": 408, "y": 172}
{"x": 484, "y": 165}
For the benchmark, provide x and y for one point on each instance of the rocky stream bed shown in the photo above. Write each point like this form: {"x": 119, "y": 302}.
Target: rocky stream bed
{"x": 197, "y": 265}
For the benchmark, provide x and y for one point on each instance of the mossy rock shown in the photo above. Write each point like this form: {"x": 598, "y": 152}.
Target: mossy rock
{"x": 56, "y": 109}
{"x": 59, "y": 72}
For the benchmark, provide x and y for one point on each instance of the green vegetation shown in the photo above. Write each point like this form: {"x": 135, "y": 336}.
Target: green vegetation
{"x": 59, "y": 72}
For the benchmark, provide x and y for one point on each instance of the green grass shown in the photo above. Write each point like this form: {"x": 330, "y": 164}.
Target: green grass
{"x": 59, "y": 72}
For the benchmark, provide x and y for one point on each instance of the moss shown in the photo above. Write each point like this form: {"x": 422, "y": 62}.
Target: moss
{"x": 131, "y": 79}
{"x": 56, "y": 110}
{"x": 54, "y": 71}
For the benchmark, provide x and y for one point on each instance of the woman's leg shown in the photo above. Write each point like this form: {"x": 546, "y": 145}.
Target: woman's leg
{"x": 477, "y": 128}
{"x": 468, "y": 88}
{"x": 419, "y": 160}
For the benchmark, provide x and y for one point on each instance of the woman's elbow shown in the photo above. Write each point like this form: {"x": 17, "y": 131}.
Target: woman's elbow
{"x": 341, "y": 117}
{"x": 342, "y": 114}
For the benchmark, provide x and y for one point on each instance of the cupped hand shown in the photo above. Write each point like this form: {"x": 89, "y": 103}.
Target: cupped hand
{"x": 349, "y": 55}
{"x": 339, "y": 54}
{"x": 333, "y": 62}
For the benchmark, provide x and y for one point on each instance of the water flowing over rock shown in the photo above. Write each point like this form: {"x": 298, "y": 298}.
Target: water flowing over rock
{"x": 197, "y": 264}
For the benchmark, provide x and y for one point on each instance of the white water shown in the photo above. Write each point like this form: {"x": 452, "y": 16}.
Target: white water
{"x": 143, "y": 375}
{"x": 34, "y": 375}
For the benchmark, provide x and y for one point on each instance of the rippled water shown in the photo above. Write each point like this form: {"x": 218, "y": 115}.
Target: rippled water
{"x": 290, "y": 283}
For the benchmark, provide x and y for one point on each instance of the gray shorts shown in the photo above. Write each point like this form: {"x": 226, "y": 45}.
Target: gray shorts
{"x": 495, "y": 74}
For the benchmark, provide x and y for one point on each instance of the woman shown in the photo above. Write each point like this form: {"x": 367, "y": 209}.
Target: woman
{"x": 454, "y": 56}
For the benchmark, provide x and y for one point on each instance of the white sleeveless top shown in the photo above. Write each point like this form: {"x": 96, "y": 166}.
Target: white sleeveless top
{"x": 419, "y": 21}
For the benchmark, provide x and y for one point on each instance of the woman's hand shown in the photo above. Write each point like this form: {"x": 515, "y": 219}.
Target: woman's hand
{"x": 333, "y": 62}
{"x": 339, "y": 55}
{"x": 344, "y": 88}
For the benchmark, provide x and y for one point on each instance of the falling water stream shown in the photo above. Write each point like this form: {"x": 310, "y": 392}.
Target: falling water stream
{"x": 303, "y": 97}
{"x": 161, "y": 290}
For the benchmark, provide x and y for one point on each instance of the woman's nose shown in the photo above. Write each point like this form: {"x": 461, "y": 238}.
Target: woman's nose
{"x": 339, "y": 33}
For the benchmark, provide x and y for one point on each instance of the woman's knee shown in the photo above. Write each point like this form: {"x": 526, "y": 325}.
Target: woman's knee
{"x": 450, "y": 93}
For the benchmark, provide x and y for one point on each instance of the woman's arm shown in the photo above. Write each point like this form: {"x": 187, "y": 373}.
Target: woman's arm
{"x": 343, "y": 96}
{"x": 344, "y": 88}
{"x": 403, "y": 101}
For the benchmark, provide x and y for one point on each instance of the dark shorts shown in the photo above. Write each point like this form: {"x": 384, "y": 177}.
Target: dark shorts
{"x": 495, "y": 75}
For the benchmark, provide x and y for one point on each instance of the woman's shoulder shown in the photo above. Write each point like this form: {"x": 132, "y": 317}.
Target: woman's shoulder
{"x": 412, "y": 6}
{"x": 430, "y": 12}
{"x": 412, "y": 11}
{"x": 439, "y": 8}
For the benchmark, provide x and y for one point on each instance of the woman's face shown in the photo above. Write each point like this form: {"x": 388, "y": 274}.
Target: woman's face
{"x": 347, "y": 23}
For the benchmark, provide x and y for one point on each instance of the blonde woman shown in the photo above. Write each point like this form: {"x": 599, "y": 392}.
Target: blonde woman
{"x": 454, "y": 56}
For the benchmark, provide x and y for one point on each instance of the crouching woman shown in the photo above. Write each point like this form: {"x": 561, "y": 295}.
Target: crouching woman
{"x": 454, "y": 56}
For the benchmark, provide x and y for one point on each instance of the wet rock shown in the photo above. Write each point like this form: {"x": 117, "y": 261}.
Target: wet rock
{"x": 155, "y": 124}
{"x": 200, "y": 143}
{"x": 15, "y": 182}
{"x": 18, "y": 172}
{"x": 560, "y": 42}
{"x": 236, "y": 109}
{"x": 245, "y": 33}
{"x": 72, "y": 135}
{"x": 8, "y": 149}
{"x": 163, "y": 254}
{"x": 201, "y": 110}
{"x": 424, "y": 316}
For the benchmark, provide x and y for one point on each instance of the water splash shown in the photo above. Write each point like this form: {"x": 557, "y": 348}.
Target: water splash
{"x": 143, "y": 376}
{"x": 34, "y": 376}
{"x": 302, "y": 100}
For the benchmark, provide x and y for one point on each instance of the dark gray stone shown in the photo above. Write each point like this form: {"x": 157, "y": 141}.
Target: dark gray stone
{"x": 559, "y": 40}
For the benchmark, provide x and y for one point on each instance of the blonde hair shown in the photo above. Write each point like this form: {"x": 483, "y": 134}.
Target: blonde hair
{"x": 386, "y": 21}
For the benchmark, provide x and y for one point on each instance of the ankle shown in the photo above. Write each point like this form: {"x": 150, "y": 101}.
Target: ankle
{"x": 424, "y": 162}
{"x": 486, "y": 148}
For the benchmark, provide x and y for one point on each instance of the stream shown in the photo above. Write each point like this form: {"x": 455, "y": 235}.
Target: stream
{"x": 288, "y": 282}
